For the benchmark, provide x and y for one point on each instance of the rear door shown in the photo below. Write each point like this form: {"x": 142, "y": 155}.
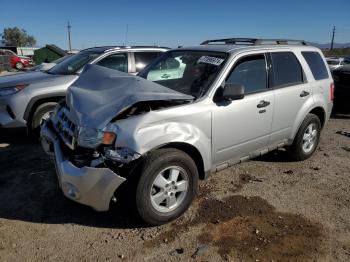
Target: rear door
{"x": 117, "y": 61}
{"x": 291, "y": 89}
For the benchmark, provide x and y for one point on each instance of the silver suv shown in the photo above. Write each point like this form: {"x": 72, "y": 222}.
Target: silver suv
{"x": 207, "y": 107}
{"x": 27, "y": 99}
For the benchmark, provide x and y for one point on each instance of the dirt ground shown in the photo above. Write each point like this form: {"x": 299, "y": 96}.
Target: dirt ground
{"x": 268, "y": 209}
{"x": 4, "y": 73}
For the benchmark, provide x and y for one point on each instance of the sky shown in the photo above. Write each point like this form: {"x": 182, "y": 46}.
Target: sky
{"x": 174, "y": 23}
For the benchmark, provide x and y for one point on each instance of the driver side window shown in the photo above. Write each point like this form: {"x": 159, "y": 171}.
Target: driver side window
{"x": 250, "y": 71}
{"x": 117, "y": 61}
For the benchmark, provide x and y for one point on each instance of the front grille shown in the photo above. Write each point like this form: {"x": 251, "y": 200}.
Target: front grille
{"x": 66, "y": 128}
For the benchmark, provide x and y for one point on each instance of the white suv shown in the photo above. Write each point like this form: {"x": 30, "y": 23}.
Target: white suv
{"x": 193, "y": 111}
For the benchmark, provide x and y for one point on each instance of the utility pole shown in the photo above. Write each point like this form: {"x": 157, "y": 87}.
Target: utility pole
{"x": 333, "y": 38}
{"x": 70, "y": 46}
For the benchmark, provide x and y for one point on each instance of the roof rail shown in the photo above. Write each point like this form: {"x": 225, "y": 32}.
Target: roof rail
{"x": 254, "y": 41}
{"x": 110, "y": 48}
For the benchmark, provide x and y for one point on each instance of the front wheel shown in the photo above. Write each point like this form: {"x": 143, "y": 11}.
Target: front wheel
{"x": 307, "y": 138}
{"x": 19, "y": 66}
{"x": 166, "y": 187}
{"x": 41, "y": 114}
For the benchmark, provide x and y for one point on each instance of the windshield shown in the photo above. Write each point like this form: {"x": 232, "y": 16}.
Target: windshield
{"x": 61, "y": 59}
{"x": 188, "y": 72}
{"x": 73, "y": 63}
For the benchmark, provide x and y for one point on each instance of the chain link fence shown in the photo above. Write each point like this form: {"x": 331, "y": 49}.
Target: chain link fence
{"x": 5, "y": 63}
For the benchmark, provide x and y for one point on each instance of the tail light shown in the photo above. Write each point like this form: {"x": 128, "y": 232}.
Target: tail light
{"x": 331, "y": 88}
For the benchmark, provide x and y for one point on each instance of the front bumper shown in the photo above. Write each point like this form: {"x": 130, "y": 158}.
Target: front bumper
{"x": 12, "y": 109}
{"x": 90, "y": 186}
{"x": 7, "y": 119}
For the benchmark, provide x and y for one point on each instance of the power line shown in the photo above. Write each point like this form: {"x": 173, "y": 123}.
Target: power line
{"x": 333, "y": 38}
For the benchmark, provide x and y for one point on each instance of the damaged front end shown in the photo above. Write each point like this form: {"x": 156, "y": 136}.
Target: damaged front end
{"x": 79, "y": 177}
{"x": 89, "y": 167}
{"x": 91, "y": 163}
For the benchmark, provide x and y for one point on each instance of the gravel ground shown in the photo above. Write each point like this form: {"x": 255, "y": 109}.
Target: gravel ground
{"x": 268, "y": 209}
{"x": 4, "y": 73}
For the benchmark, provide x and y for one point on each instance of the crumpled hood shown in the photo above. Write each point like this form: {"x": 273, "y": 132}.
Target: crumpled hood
{"x": 31, "y": 78}
{"x": 100, "y": 94}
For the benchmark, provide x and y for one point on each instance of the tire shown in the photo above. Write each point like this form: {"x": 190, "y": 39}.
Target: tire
{"x": 39, "y": 115}
{"x": 169, "y": 161}
{"x": 19, "y": 66}
{"x": 299, "y": 149}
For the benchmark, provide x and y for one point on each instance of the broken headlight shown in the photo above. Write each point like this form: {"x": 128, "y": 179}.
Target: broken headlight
{"x": 91, "y": 137}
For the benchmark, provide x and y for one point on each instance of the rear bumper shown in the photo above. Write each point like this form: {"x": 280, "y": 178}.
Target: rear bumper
{"x": 90, "y": 186}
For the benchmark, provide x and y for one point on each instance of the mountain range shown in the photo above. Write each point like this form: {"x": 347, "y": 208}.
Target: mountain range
{"x": 328, "y": 45}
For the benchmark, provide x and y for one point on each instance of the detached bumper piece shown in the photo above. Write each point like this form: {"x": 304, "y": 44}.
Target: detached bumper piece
{"x": 90, "y": 186}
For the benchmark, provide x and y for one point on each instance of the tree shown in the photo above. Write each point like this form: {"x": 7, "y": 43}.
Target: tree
{"x": 17, "y": 37}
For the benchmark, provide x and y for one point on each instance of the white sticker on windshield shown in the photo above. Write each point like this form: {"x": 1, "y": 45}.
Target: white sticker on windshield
{"x": 210, "y": 60}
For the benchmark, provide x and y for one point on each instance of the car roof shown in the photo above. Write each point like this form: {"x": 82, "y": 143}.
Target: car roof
{"x": 231, "y": 48}
{"x": 237, "y": 44}
{"x": 104, "y": 49}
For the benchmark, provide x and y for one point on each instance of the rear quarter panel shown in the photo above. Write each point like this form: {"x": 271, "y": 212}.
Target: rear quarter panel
{"x": 320, "y": 91}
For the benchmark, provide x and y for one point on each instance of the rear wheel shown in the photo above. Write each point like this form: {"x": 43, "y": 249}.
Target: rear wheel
{"x": 41, "y": 114}
{"x": 307, "y": 138}
{"x": 166, "y": 187}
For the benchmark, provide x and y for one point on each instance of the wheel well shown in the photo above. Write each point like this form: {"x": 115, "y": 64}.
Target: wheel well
{"x": 40, "y": 102}
{"x": 320, "y": 113}
{"x": 193, "y": 153}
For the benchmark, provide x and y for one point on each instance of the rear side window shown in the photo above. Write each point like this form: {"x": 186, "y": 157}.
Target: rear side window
{"x": 251, "y": 72}
{"x": 142, "y": 59}
{"x": 316, "y": 64}
{"x": 287, "y": 70}
{"x": 116, "y": 61}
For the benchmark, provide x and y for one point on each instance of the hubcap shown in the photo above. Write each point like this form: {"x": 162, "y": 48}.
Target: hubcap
{"x": 309, "y": 138}
{"x": 169, "y": 189}
{"x": 45, "y": 116}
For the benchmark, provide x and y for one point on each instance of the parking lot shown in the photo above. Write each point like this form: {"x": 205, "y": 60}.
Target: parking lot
{"x": 269, "y": 209}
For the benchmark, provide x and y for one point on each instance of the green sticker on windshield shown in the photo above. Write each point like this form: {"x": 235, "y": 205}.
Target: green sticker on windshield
{"x": 210, "y": 60}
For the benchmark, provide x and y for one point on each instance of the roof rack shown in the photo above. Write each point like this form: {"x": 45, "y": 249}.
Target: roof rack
{"x": 254, "y": 41}
{"x": 109, "y": 48}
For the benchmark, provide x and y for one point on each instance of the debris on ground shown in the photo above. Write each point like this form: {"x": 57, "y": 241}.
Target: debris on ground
{"x": 343, "y": 133}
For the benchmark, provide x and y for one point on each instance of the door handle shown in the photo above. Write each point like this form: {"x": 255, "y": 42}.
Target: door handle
{"x": 304, "y": 93}
{"x": 263, "y": 103}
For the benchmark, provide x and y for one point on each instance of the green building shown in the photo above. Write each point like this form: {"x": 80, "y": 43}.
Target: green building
{"x": 48, "y": 54}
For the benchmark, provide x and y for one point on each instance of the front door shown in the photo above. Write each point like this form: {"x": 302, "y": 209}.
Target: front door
{"x": 242, "y": 126}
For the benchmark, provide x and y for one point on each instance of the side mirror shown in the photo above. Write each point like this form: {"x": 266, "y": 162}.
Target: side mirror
{"x": 232, "y": 91}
